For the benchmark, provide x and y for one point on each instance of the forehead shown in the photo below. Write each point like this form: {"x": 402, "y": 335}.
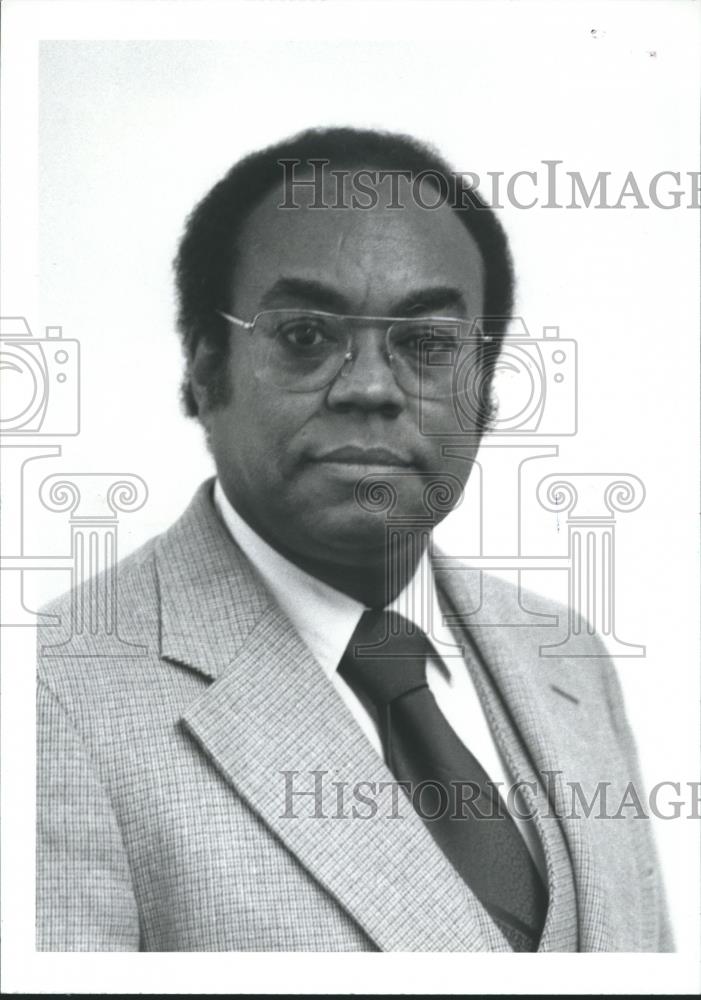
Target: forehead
{"x": 371, "y": 256}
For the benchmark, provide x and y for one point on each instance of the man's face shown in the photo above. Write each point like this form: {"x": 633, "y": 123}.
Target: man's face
{"x": 277, "y": 451}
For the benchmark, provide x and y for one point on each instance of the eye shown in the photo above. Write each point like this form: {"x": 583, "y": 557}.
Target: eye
{"x": 304, "y": 333}
{"x": 411, "y": 336}
{"x": 443, "y": 333}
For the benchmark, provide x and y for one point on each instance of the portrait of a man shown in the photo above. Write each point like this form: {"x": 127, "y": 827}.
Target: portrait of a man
{"x": 321, "y": 738}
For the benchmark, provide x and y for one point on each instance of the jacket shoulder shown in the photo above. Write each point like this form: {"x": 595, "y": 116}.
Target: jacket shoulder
{"x": 133, "y": 574}
{"x": 530, "y": 625}
{"x": 105, "y": 618}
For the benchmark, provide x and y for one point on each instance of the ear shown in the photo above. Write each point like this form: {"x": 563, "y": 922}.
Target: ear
{"x": 200, "y": 374}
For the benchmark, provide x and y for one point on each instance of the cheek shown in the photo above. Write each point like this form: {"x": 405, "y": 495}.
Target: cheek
{"x": 261, "y": 429}
{"x": 448, "y": 447}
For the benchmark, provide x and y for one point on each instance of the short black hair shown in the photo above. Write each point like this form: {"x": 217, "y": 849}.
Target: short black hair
{"x": 207, "y": 251}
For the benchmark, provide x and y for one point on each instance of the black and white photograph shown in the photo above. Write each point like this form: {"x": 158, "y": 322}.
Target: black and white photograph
{"x": 350, "y": 474}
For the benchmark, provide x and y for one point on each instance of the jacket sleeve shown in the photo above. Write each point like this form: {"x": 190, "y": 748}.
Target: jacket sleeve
{"x": 84, "y": 894}
{"x": 614, "y": 694}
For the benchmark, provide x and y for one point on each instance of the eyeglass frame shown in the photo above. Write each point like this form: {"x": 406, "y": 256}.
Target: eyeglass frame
{"x": 349, "y": 356}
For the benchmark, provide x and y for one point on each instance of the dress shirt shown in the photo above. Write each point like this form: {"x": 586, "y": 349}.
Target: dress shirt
{"x": 326, "y": 618}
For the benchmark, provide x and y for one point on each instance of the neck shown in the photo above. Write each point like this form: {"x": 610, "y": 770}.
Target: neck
{"x": 375, "y": 576}
{"x": 374, "y": 583}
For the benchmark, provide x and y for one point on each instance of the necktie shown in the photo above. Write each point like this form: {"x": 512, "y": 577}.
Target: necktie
{"x": 460, "y": 807}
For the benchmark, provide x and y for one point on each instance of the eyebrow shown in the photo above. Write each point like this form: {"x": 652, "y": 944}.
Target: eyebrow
{"x": 321, "y": 296}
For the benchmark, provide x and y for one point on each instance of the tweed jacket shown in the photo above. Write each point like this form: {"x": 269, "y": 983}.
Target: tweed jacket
{"x": 168, "y": 740}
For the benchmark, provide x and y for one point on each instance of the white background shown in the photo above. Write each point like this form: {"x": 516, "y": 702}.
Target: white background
{"x": 131, "y": 132}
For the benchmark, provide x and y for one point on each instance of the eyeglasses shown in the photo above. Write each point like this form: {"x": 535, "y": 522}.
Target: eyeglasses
{"x": 302, "y": 350}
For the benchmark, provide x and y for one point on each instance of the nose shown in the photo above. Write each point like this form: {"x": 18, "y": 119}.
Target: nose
{"x": 367, "y": 382}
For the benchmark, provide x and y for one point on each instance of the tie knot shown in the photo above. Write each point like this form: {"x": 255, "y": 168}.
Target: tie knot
{"x": 386, "y": 657}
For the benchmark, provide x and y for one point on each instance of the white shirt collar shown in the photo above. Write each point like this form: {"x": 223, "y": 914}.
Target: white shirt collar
{"x": 324, "y": 617}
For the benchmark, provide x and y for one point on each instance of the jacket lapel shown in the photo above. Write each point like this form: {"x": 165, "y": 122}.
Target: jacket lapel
{"x": 511, "y": 658}
{"x": 273, "y": 724}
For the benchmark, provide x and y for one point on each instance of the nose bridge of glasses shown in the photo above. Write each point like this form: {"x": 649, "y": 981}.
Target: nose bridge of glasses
{"x": 367, "y": 336}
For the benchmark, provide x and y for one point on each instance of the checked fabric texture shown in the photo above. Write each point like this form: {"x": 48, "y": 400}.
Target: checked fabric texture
{"x": 160, "y": 821}
{"x": 385, "y": 665}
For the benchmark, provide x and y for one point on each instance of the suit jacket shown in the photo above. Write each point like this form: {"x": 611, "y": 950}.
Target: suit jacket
{"x": 167, "y": 740}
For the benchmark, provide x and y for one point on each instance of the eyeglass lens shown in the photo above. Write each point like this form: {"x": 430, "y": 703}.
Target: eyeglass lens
{"x": 302, "y": 351}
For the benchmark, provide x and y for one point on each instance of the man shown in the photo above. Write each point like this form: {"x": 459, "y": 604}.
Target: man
{"x": 309, "y": 748}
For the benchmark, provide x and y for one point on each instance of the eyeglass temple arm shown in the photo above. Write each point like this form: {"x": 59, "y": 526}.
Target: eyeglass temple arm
{"x": 235, "y": 320}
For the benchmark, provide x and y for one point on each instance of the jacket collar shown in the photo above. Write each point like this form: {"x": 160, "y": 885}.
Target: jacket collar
{"x": 211, "y": 598}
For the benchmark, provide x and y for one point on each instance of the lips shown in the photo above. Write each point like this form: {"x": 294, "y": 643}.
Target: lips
{"x": 356, "y": 455}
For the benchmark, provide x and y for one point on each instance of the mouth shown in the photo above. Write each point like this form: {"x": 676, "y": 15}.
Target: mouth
{"x": 356, "y": 457}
